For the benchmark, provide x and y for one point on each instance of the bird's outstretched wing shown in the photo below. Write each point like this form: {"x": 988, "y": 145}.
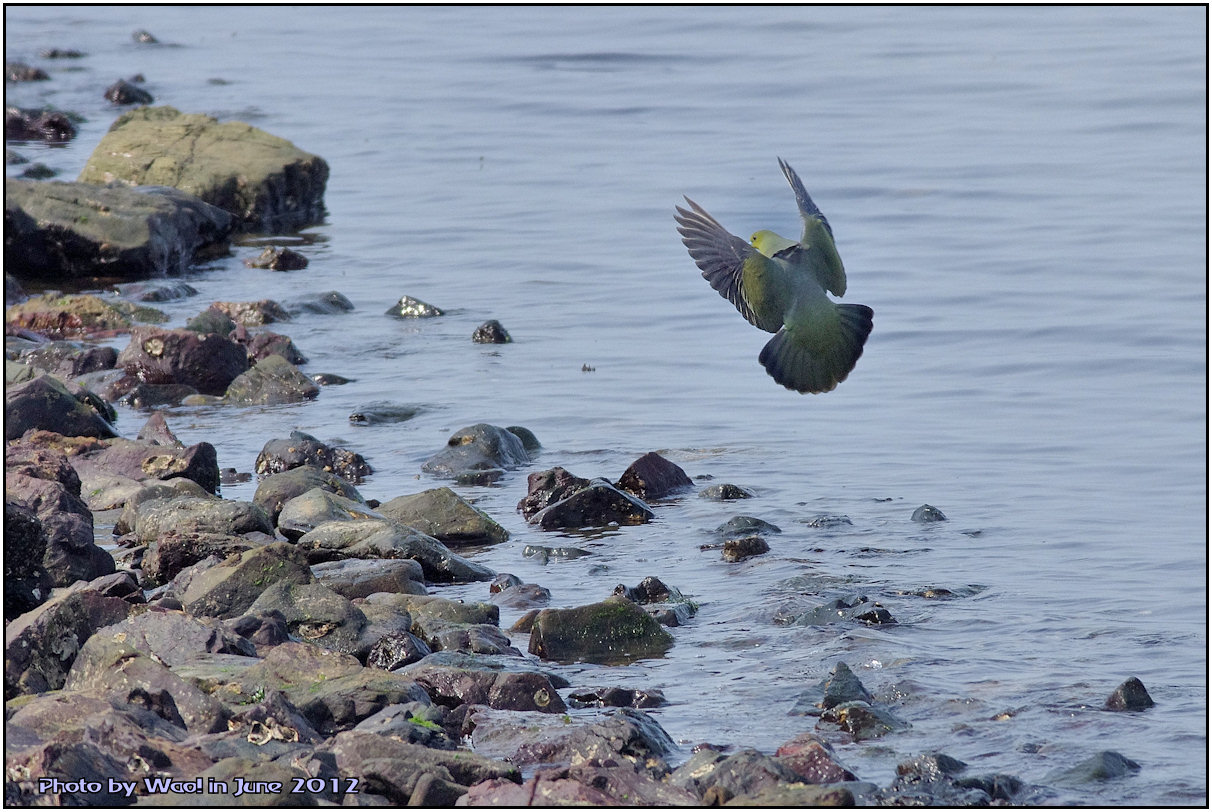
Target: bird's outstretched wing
{"x": 802, "y": 199}
{"x": 722, "y": 257}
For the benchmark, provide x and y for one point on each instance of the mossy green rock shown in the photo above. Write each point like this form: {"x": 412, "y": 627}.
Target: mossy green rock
{"x": 264, "y": 181}
{"x": 56, "y": 230}
{"x": 612, "y": 632}
{"x": 443, "y": 514}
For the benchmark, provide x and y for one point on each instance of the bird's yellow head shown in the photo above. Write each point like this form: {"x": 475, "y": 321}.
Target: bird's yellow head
{"x": 768, "y": 243}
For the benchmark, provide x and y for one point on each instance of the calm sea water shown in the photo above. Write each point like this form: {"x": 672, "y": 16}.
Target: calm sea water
{"x": 1019, "y": 193}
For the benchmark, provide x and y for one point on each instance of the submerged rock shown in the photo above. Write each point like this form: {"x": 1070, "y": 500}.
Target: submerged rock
{"x": 1102, "y": 766}
{"x": 383, "y": 411}
{"x": 278, "y": 259}
{"x": 52, "y": 126}
{"x": 746, "y": 525}
{"x": 124, "y": 92}
{"x": 928, "y": 513}
{"x": 742, "y": 548}
{"x": 725, "y": 492}
{"x": 611, "y": 632}
{"x": 477, "y": 449}
{"x": 56, "y": 230}
{"x": 264, "y": 182}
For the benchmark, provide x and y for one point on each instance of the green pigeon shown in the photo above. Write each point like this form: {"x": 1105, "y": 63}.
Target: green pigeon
{"x": 779, "y": 286}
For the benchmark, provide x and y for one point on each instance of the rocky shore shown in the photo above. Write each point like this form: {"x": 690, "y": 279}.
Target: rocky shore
{"x": 295, "y": 649}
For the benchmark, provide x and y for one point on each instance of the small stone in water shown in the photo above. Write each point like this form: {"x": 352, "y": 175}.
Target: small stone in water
{"x": 928, "y": 513}
{"x": 491, "y": 332}
{"x": 410, "y": 308}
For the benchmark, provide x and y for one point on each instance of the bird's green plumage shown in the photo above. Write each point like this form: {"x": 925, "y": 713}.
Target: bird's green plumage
{"x": 779, "y": 286}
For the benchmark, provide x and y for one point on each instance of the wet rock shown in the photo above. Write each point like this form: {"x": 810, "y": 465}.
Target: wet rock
{"x": 185, "y": 514}
{"x": 813, "y": 760}
{"x": 41, "y": 645}
{"x": 1102, "y": 766}
{"x": 843, "y": 686}
{"x": 273, "y": 381}
{"x": 725, "y": 492}
{"x": 626, "y": 736}
{"x": 610, "y": 632}
{"x": 446, "y": 516}
{"x": 545, "y": 554}
{"x": 74, "y": 315}
{"x": 138, "y": 460}
{"x": 796, "y": 795}
{"x": 45, "y": 403}
{"x": 303, "y": 449}
{"x": 278, "y": 259}
{"x": 37, "y": 125}
{"x": 264, "y": 344}
{"x": 863, "y": 721}
{"x": 410, "y": 308}
{"x": 277, "y": 489}
{"x": 123, "y": 92}
{"x": 227, "y": 589}
{"x": 265, "y": 182}
{"x": 26, "y": 581}
{"x": 742, "y": 548}
{"x": 112, "y": 667}
{"x": 616, "y": 698}
{"x": 178, "y": 549}
{"x": 57, "y": 230}
{"x": 329, "y": 379}
{"x": 477, "y": 449}
{"x": 397, "y": 650}
{"x": 450, "y": 625}
{"x": 38, "y": 171}
{"x": 68, "y": 359}
{"x": 857, "y": 608}
{"x": 653, "y": 477}
{"x": 21, "y": 72}
{"x": 930, "y": 779}
{"x": 175, "y": 638}
{"x": 380, "y": 538}
{"x": 263, "y": 629}
{"x": 381, "y": 412}
{"x": 164, "y": 490}
{"x": 67, "y": 527}
{"x": 599, "y": 504}
{"x": 315, "y": 613}
{"x": 207, "y": 362}
{"x": 331, "y": 690}
{"x": 1129, "y": 696}
{"x": 156, "y": 291}
{"x": 156, "y": 431}
{"x": 318, "y": 506}
{"x": 358, "y": 578}
{"x": 520, "y": 690}
{"x": 716, "y": 777}
{"x": 253, "y": 314}
{"x": 78, "y": 761}
{"x": 744, "y": 526}
{"x": 401, "y": 772}
{"x": 325, "y": 304}
{"x": 61, "y": 53}
{"x": 545, "y": 488}
{"x": 144, "y": 37}
{"x": 491, "y": 332}
{"x": 665, "y": 603}
{"x": 212, "y": 321}
{"x": 999, "y": 786}
{"x": 522, "y": 596}
{"x": 928, "y": 513}
{"x": 829, "y": 520}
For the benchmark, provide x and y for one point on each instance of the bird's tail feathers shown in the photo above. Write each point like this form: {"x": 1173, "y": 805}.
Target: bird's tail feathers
{"x": 805, "y": 366}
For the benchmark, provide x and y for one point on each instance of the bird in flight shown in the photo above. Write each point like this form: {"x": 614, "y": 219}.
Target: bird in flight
{"x": 779, "y": 286}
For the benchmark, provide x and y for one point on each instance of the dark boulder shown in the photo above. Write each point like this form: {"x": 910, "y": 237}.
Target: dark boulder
{"x": 396, "y": 650}
{"x": 45, "y": 403}
{"x": 446, "y": 516}
{"x": 57, "y": 230}
{"x": 140, "y": 460}
{"x": 862, "y": 720}
{"x": 520, "y": 690}
{"x": 1102, "y": 766}
{"x": 843, "y": 686}
{"x": 273, "y": 381}
{"x": 124, "y": 92}
{"x": 725, "y": 492}
{"x": 323, "y": 304}
{"x": 746, "y": 525}
{"x": 229, "y": 588}
{"x": 653, "y": 477}
{"x": 545, "y": 488}
{"x": 315, "y": 613}
{"x": 278, "y": 259}
{"x": 613, "y": 631}
{"x": 303, "y": 449}
{"x": 71, "y": 553}
{"x": 176, "y": 550}
{"x": 717, "y": 778}
{"x": 1129, "y": 696}
{"x": 21, "y": 72}
{"x": 206, "y": 515}
{"x": 812, "y": 759}
{"x": 359, "y": 577}
{"x": 747, "y": 547}
{"x": 615, "y": 697}
{"x": 264, "y": 344}
{"x": 175, "y": 638}
{"x": 37, "y": 125}
{"x": 309, "y": 510}
{"x": 41, "y": 645}
{"x": 212, "y": 321}
{"x": 928, "y": 513}
{"x": 491, "y": 332}
{"x": 599, "y": 504}
{"x": 207, "y": 362}
{"x": 26, "y": 581}
{"x": 263, "y": 181}
{"x": 67, "y": 360}
{"x": 383, "y": 411}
